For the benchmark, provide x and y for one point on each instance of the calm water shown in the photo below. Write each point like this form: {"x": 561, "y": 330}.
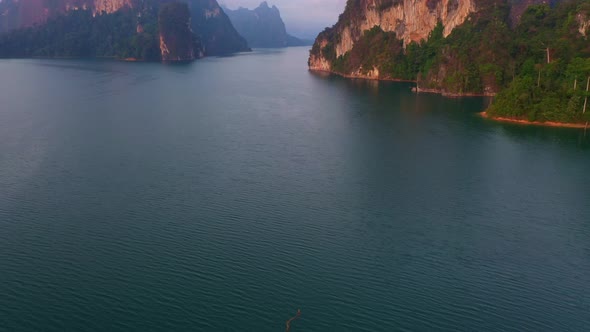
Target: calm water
{"x": 226, "y": 194}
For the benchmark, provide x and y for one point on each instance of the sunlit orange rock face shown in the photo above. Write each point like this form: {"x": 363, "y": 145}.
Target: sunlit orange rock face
{"x": 26, "y": 13}
{"x": 110, "y": 6}
{"x": 411, "y": 20}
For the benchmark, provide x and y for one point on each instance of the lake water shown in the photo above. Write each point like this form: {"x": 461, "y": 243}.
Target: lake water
{"x": 226, "y": 194}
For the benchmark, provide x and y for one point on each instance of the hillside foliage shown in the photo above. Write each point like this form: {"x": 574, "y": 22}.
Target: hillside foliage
{"x": 79, "y": 34}
{"x": 127, "y": 33}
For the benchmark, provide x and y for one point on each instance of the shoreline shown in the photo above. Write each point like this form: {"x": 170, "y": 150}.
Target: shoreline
{"x": 484, "y": 114}
{"x": 353, "y": 77}
{"x": 415, "y": 89}
{"x": 418, "y": 90}
{"x": 535, "y": 123}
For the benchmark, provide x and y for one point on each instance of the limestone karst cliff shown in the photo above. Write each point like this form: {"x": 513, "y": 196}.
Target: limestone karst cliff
{"x": 530, "y": 54}
{"x": 411, "y": 20}
{"x": 380, "y": 39}
{"x": 129, "y": 29}
{"x": 176, "y": 40}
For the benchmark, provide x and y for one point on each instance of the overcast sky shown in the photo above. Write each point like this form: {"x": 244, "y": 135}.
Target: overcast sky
{"x": 304, "y": 18}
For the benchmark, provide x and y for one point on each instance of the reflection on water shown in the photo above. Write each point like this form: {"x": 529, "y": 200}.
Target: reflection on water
{"x": 385, "y": 94}
{"x": 546, "y": 135}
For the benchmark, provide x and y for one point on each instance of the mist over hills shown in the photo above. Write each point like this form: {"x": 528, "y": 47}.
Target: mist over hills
{"x": 263, "y": 27}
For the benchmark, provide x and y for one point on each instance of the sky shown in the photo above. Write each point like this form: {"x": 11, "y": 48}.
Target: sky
{"x": 303, "y": 18}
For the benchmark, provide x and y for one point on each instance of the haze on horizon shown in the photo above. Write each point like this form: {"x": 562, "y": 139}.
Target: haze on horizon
{"x": 303, "y": 18}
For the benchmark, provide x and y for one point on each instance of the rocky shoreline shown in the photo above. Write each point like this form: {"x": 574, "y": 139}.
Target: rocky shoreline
{"x": 358, "y": 77}
{"x": 446, "y": 94}
{"x": 414, "y": 89}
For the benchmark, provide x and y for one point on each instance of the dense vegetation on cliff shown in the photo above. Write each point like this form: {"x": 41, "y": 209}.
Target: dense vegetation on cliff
{"x": 534, "y": 63}
{"x": 552, "y": 67}
{"x": 214, "y": 28}
{"x": 79, "y": 34}
{"x": 130, "y": 33}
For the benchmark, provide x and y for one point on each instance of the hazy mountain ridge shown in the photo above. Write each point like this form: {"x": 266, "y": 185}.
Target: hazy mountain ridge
{"x": 214, "y": 28}
{"x": 263, "y": 27}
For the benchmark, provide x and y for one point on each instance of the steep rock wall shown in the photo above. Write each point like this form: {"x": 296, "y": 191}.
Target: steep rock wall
{"x": 188, "y": 29}
{"x": 411, "y": 20}
{"x": 176, "y": 39}
{"x": 262, "y": 27}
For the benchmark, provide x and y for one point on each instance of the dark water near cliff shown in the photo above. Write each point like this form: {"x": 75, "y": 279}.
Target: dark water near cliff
{"x": 226, "y": 194}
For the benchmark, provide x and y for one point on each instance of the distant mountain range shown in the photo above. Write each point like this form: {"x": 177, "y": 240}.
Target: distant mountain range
{"x": 263, "y": 27}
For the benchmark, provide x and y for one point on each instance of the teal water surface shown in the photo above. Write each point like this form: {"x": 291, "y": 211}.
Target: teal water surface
{"x": 226, "y": 194}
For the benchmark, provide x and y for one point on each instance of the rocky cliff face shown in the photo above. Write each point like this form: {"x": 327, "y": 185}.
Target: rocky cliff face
{"x": 583, "y": 20}
{"x": 206, "y": 30}
{"x": 176, "y": 39}
{"x": 411, "y": 20}
{"x": 448, "y": 46}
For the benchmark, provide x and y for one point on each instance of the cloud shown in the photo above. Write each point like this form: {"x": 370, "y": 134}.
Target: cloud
{"x": 303, "y": 16}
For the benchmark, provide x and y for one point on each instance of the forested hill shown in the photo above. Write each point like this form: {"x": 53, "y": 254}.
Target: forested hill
{"x": 531, "y": 56}
{"x": 128, "y": 29}
{"x": 550, "y": 66}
